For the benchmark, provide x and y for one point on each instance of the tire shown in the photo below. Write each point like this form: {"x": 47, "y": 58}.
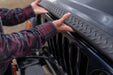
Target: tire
{"x": 101, "y": 39}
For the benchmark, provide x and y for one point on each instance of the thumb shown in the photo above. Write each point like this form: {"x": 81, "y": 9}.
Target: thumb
{"x": 65, "y": 17}
{"x": 37, "y": 1}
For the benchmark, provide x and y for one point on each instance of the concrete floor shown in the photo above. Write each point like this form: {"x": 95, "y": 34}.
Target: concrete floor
{"x": 11, "y": 4}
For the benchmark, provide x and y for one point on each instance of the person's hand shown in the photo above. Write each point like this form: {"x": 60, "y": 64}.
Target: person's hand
{"x": 60, "y": 26}
{"x": 37, "y": 9}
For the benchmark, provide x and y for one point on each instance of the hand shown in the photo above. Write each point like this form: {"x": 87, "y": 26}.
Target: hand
{"x": 60, "y": 26}
{"x": 37, "y": 9}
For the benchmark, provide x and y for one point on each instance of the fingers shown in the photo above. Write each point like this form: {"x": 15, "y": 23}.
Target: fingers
{"x": 68, "y": 28}
{"x": 37, "y": 1}
{"x": 65, "y": 17}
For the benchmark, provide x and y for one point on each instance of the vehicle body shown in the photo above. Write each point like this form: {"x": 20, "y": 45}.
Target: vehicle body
{"x": 88, "y": 51}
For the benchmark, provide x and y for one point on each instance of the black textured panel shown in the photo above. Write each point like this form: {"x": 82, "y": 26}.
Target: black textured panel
{"x": 101, "y": 40}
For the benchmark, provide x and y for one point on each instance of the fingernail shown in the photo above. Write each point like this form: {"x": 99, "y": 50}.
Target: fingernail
{"x": 69, "y": 13}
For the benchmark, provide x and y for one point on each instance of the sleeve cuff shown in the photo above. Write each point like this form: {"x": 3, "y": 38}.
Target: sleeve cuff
{"x": 29, "y": 11}
{"x": 47, "y": 31}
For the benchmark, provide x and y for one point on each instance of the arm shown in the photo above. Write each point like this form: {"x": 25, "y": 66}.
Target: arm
{"x": 22, "y": 43}
{"x": 16, "y": 16}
